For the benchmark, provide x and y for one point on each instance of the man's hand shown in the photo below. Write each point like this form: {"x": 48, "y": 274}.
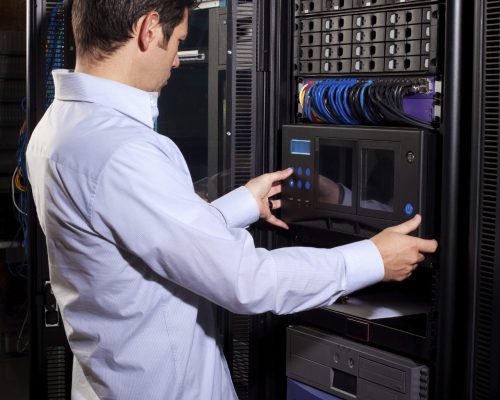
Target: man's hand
{"x": 400, "y": 252}
{"x": 329, "y": 191}
{"x": 266, "y": 186}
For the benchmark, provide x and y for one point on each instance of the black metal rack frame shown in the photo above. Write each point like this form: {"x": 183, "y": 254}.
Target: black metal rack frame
{"x": 445, "y": 327}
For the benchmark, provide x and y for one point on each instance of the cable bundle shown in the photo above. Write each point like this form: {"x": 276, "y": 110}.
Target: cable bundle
{"x": 353, "y": 101}
{"x": 54, "y": 48}
{"x": 20, "y": 200}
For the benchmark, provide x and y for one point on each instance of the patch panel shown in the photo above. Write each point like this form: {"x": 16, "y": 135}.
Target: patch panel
{"x": 398, "y": 40}
{"x": 307, "y": 7}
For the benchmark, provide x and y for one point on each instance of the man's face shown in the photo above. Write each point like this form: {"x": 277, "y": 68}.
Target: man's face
{"x": 167, "y": 55}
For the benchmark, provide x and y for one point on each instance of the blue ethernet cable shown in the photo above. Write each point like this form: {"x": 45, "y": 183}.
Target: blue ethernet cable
{"x": 320, "y": 103}
{"x": 348, "y": 84}
{"x": 362, "y": 101}
{"x": 331, "y": 97}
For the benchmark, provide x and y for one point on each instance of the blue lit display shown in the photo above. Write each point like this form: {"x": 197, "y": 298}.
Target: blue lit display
{"x": 300, "y": 147}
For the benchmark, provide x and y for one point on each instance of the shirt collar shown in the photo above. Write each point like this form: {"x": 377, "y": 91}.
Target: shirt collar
{"x": 135, "y": 103}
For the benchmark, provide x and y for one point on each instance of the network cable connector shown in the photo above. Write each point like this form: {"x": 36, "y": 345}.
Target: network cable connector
{"x": 382, "y": 101}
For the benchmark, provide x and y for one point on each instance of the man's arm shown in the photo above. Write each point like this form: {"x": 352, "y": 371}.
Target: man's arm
{"x": 400, "y": 252}
{"x": 245, "y": 205}
{"x": 147, "y": 207}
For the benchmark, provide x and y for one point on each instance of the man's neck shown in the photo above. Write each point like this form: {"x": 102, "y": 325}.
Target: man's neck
{"x": 116, "y": 69}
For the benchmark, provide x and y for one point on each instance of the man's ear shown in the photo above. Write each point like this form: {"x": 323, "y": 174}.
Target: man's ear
{"x": 146, "y": 29}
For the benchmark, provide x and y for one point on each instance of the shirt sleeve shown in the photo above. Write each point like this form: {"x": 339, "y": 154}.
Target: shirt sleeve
{"x": 238, "y": 208}
{"x": 146, "y": 205}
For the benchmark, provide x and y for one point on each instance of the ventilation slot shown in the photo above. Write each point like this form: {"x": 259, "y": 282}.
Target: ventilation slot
{"x": 243, "y": 93}
{"x": 243, "y": 136}
{"x": 487, "y": 269}
{"x": 54, "y": 48}
{"x": 56, "y": 368}
{"x": 241, "y": 325}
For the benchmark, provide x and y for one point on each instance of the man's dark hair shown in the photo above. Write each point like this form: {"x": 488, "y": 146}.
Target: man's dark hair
{"x": 103, "y": 26}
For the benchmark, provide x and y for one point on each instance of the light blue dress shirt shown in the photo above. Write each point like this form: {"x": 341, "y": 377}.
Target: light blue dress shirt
{"x": 137, "y": 259}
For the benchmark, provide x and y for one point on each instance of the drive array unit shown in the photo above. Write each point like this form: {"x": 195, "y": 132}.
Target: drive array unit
{"x": 351, "y": 370}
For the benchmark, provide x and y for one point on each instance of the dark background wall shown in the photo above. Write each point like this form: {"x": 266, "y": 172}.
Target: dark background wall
{"x": 14, "y": 366}
{"x": 13, "y": 15}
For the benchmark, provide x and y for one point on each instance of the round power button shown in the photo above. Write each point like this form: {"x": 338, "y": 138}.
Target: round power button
{"x": 409, "y": 209}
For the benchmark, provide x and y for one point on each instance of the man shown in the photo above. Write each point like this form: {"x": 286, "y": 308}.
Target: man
{"x": 136, "y": 258}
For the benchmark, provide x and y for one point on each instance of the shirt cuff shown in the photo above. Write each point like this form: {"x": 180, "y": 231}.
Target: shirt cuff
{"x": 238, "y": 207}
{"x": 347, "y": 199}
{"x": 363, "y": 263}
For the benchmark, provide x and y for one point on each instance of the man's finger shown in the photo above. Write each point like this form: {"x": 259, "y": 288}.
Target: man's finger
{"x": 274, "y": 190}
{"x": 280, "y": 175}
{"x": 407, "y": 227}
{"x": 426, "y": 245}
{"x": 276, "y": 222}
{"x": 276, "y": 204}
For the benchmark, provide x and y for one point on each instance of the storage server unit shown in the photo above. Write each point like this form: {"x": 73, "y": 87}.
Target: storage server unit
{"x": 351, "y": 370}
{"x": 377, "y": 67}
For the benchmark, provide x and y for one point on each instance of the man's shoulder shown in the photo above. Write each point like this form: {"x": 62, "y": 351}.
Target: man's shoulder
{"x": 84, "y": 137}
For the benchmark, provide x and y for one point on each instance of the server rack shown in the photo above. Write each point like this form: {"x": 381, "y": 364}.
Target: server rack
{"x": 49, "y": 46}
{"x": 259, "y": 102}
{"x": 483, "y": 351}
{"x": 264, "y": 32}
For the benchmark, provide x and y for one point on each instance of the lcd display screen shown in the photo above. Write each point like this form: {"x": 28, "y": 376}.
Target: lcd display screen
{"x": 300, "y": 147}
